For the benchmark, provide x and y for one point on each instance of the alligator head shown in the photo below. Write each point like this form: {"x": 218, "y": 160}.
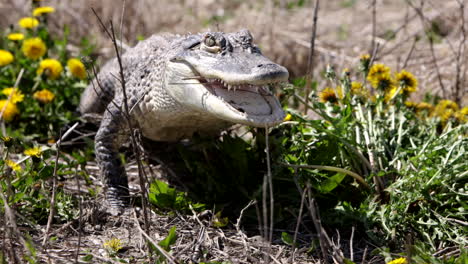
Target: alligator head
{"x": 226, "y": 75}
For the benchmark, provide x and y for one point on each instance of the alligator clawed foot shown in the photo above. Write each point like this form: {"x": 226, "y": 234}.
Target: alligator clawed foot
{"x": 118, "y": 200}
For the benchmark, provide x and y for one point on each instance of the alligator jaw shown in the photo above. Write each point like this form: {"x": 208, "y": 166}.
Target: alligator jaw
{"x": 246, "y": 103}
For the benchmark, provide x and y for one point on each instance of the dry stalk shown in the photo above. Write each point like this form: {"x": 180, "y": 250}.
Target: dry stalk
{"x": 299, "y": 218}
{"x": 430, "y": 38}
{"x": 168, "y": 257}
{"x": 12, "y": 227}
{"x": 364, "y": 255}
{"x": 52, "y": 198}
{"x": 374, "y": 24}
{"x": 408, "y": 57}
{"x": 324, "y": 240}
{"x": 310, "y": 61}
{"x": 267, "y": 190}
{"x": 270, "y": 183}
{"x": 460, "y": 78}
{"x": 351, "y": 250}
{"x": 80, "y": 206}
{"x": 237, "y": 225}
{"x": 111, "y": 34}
{"x": 54, "y": 184}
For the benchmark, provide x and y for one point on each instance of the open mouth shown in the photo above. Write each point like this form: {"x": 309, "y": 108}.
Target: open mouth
{"x": 248, "y": 99}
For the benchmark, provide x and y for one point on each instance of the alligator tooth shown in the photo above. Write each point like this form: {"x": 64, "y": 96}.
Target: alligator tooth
{"x": 229, "y": 87}
{"x": 256, "y": 89}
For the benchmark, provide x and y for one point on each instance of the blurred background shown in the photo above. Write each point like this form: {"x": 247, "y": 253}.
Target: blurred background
{"x": 424, "y": 37}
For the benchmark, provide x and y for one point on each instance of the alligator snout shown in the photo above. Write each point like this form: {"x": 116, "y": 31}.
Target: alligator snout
{"x": 270, "y": 72}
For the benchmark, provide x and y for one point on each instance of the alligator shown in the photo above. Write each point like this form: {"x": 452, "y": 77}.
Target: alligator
{"x": 176, "y": 86}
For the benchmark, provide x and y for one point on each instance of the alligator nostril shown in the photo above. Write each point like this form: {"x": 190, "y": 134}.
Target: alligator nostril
{"x": 260, "y": 65}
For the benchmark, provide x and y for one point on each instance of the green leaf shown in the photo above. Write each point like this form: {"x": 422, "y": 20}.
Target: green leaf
{"x": 287, "y": 238}
{"x": 219, "y": 221}
{"x": 169, "y": 240}
{"x": 162, "y": 195}
{"x": 87, "y": 258}
{"x": 331, "y": 183}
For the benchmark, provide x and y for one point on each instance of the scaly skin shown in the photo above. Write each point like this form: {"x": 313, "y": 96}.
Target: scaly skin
{"x": 176, "y": 86}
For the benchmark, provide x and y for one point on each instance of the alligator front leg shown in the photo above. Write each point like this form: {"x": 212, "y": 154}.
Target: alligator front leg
{"x": 111, "y": 134}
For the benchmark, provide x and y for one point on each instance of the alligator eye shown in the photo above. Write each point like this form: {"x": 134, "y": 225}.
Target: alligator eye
{"x": 210, "y": 41}
{"x": 210, "y": 44}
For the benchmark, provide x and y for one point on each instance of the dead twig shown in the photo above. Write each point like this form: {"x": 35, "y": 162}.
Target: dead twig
{"x": 111, "y": 34}
{"x": 54, "y": 184}
{"x": 168, "y": 257}
{"x": 410, "y": 53}
{"x": 310, "y": 61}
{"x": 351, "y": 250}
{"x": 324, "y": 240}
{"x": 298, "y": 222}
{"x": 374, "y": 25}
{"x": 430, "y": 38}
{"x": 80, "y": 215}
{"x": 460, "y": 77}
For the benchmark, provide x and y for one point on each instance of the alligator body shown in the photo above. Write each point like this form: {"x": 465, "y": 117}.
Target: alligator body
{"x": 176, "y": 86}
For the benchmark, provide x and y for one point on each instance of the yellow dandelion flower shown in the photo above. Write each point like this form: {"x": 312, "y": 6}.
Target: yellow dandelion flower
{"x": 384, "y": 82}
{"x": 6, "y": 139}
{"x": 447, "y": 104}
{"x": 51, "y": 68}
{"x": 287, "y": 117}
{"x": 76, "y": 68}
{"x": 15, "y": 36}
{"x": 34, "y": 48}
{"x": 411, "y": 104}
{"x": 33, "y": 152}
{"x": 376, "y": 73}
{"x": 423, "y": 106}
{"x": 398, "y": 261}
{"x": 113, "y": 244}
{"x": 13, "y": 165}
{"x": 10, "y": 110}
{"x": 43, "y": 10}
{"x": 445, "y": 109}
{"x": 5, "y": 57}
{"x": 329, "y": 95}
{"x": 16, "y": 95}
{"x": 407, "y": 81}
{"x": 391, "y": 93}
{"x": 460, "y": 117}
{"x": 28, "y": 22}
{"x": 44, "y": 96}
{"x": 464, "y": 110}
{"x": 364, "y": 62}
{"x": 365, "y": 57}
{"x": 357, "y": 88}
